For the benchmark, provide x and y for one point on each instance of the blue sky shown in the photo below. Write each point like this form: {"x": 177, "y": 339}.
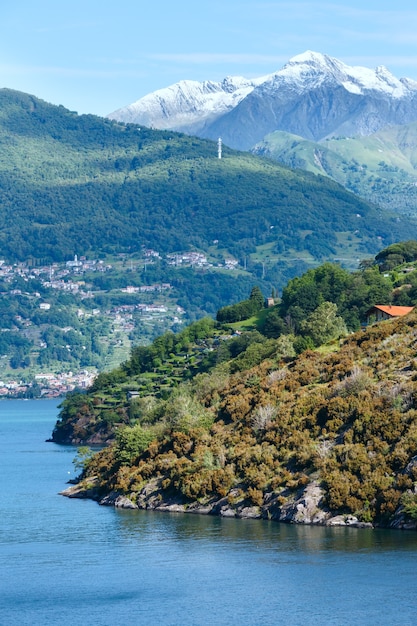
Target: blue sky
{"x": 94, "y": 56}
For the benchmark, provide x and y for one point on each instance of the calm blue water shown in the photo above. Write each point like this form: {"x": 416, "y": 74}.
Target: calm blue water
{"x": 73, "y": 562}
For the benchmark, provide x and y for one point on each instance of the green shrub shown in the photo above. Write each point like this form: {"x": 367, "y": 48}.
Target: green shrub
{"x": 131, "y": 442}
{"x": 409, "y": 503}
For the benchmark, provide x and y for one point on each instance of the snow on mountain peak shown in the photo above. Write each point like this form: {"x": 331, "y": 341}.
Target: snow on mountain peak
{"x": 306, "y": 71}
{"x": 190, "y": 106}
{"x": 186, "y": 102}
{"x": 309, "y": 57}
{"x": 310, "y": 69}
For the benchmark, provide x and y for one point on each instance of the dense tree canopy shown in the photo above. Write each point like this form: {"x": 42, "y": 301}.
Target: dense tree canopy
{"x": 353, "y": 293}
{"x": 397, "y": 253}
{"x": 242, "y": 310}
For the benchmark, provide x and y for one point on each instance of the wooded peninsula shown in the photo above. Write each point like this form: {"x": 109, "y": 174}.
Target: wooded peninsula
{"x": 284, "y": 414}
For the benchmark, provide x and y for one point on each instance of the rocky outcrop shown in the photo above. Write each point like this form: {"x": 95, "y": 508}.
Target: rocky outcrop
{"x": 86, "y": 489}
{"x": 400, "y": 522}
{"x": 305, "y": 507}
{"x": 118, "y": 500}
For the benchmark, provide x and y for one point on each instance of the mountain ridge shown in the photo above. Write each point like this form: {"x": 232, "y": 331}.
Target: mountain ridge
{"x": 313, "y": 95}
{"x": 160, "y": 109}
{"x": 70, "y": 182}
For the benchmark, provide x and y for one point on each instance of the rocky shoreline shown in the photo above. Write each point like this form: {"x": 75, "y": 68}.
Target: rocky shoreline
{"x": 305, "y": 507}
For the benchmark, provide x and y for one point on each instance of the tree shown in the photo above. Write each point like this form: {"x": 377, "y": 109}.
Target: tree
{"x": 132, "y": 441}
{"x": 82, "y": 458}
{"x": 323, "y": 324}
{"x": 328, "y": 282}
{"x": 242, "y": 310}
{"x": 274, "y": 325}
{"x": 396, "y": 254}
{"x": 257, "y": 298}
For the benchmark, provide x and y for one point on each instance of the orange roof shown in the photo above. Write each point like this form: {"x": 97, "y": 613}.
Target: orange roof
{"x": 394, "y": 311}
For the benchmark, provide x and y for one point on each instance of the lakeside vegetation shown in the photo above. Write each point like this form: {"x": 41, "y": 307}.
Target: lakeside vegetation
{"x": 217, "y": 413}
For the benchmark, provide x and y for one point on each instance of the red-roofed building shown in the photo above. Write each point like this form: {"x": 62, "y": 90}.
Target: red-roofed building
{"x": 381, "y": 312}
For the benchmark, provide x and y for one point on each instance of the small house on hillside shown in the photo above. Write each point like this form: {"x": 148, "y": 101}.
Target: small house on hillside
{"x": 386, "y": 312}
{"x": 131, "y": 395}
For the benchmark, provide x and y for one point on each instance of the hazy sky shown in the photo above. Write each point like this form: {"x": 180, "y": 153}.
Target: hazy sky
{"x": 94, "y": 56}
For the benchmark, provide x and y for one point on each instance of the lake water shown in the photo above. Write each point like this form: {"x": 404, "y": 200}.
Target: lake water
{"x": 73, "y": 562}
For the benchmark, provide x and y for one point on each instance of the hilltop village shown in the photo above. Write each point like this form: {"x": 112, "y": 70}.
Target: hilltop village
{"x": 64, "y": 322}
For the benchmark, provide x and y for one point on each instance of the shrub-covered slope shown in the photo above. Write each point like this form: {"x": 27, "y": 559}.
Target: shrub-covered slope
{"x": 317, "y": 307}
{"x": 335, "y": 433}
{"x": 233, "y": 422}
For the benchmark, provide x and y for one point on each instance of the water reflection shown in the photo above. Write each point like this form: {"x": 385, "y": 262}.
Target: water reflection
{"x": 277, "y": 573}
{"x": 258, "y": 534}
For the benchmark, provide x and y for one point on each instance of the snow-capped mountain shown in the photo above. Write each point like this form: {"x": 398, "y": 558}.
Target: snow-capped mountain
{"x": 187, "y": 106}
{"x": 313, "y": 95}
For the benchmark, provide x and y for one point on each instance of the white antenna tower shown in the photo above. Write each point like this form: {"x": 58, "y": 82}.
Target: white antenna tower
{"x": 219, "y": 148}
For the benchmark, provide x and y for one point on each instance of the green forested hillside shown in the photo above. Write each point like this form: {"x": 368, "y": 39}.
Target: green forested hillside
{"x": 380, "y": 168}
{"x": 76, "y": 184}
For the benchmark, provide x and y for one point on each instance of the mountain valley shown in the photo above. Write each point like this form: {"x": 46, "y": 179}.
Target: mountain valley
{"x": 110, "y": 193}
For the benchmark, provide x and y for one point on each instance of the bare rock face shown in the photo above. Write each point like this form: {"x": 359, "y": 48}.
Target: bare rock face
{"x": 401, "y": 523}
{"x": 85, "y": 490}
{"x": 412, "y": 464}
{"x": 250, "y": 512}
{"x": 306, "y": 507}
{"x": 119, "y": 501}
{"x": 345, "y": 520}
